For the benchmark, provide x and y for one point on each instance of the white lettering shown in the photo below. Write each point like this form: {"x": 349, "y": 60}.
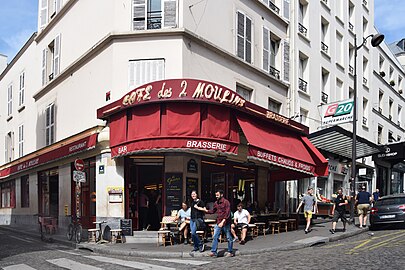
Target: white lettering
{"x": 206, "y": 145}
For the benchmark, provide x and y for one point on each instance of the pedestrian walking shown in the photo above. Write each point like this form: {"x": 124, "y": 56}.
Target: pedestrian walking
{"x": 363, "y": 199}
{"x": 339, "y": 210}
{"x": 310, "y": 206}
{"x": 376, "y": 195}
{"x": 223, "y": 209}
{"x": 197, "y": 215}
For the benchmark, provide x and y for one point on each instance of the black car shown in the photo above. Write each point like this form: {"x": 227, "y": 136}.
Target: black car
{"x": 388, "y": 210}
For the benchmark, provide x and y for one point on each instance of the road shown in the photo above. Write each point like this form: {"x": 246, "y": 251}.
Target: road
{"x": 383, "y": 250}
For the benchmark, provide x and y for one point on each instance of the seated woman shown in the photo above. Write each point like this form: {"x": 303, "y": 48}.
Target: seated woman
{"x": 184, "y": 217}
{"x": 241, "y": 219}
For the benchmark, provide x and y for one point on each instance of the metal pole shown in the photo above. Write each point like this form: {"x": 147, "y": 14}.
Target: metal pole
{"x": 353, "y": 174}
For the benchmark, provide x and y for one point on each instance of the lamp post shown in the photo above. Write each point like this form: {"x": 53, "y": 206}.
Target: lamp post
{"x": 376, "y": 39}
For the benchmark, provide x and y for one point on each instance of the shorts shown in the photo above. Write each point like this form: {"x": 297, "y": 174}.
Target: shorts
{"x": 241, "y": 226}
{"x": 339, "y": 214}
{"x": 362, "y": 209}
{"x": 307, "y": 213}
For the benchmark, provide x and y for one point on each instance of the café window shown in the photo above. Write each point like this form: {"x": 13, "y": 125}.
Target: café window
{"x": 8, "y": 194}
{"x": 25, "y": 191}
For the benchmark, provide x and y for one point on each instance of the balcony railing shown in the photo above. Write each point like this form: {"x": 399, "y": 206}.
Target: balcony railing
{"x": 351, "y": 70}
{"x": 273, "y": 7}
{"x": 302, "y": 29}
{"x": 364, "y": 120}
{"x": 274, "y": 72}
{"x": 324, "y": 97}
{"x": 364, "y": 81}
{"x": 302, "y": 85}
{"x": 351, "y": 27}
{"x": 154, "y": 20}
{"x": 324, "y": 47}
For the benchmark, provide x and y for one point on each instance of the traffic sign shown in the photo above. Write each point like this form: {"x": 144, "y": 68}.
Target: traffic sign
{"x": 79, "y": 176}
{"x": 79, "y": 164}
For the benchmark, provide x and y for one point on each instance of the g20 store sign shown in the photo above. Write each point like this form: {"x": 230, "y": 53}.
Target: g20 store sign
{"x": 338, "y": 112}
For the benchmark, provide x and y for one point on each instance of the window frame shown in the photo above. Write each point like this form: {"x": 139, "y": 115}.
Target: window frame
{"x": 10, "y": 99}
{"x": 50, "y": 125}
{"x": 246, "y": 57}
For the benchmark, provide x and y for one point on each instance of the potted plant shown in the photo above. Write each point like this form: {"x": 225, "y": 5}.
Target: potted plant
{"x": 382, "y": 73}
{"x": 392, "y": 83}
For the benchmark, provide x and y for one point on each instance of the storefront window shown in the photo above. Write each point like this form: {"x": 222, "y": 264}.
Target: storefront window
{"x": 8, "y": 194}
{"x": 25, "y": 191}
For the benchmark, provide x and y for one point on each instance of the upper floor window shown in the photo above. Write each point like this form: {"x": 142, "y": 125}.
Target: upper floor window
{"x": 244, "y": 92}
{"x": 9, "y": 147}
{"x": 10, "y": 100}
{"x": 381, "y": 63}
{"x": 50, "y": 124}
{"x": 154, "y": 14}
{"x": 145, "y": 71}
{"x": 244, "y": 37}
{"x": 48, "y": 10}
{"x": 274, "y": 106}
{"x": 379, "y": 134}
{"x": 21, "y": 141}
{"x": 21, "y": 92}
{"x": 271, "y": 45}
{"x": 51, "y": 61}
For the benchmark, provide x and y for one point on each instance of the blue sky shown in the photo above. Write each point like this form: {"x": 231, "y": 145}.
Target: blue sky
{"x": 18, "y": 20}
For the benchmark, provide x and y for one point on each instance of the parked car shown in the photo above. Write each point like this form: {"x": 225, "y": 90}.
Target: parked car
{"x": 388, "y": 210}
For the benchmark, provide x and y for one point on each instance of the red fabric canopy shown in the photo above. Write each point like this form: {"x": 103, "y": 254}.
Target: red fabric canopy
{"x": 273, "y": 145}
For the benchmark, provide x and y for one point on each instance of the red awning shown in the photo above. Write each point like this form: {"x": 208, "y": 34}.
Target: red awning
{"x": 278, "y": 147}
{"x": 55, "y": 152}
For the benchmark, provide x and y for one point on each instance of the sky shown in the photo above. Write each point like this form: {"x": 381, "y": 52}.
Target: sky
{"x": 18, "y": 20}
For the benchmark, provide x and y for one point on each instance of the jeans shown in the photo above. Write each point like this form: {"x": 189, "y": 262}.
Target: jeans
{"x": 217, "y": 232}
{"x": 193, "y": 228}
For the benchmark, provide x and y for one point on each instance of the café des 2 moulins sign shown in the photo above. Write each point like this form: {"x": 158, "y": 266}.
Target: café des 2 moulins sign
{"x": 337, "y": 112}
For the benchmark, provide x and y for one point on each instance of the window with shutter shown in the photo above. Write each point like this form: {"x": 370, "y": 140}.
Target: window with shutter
{"x": 43, "y": 20}
{"x": 145, "y": 71}
{"x": 266, "y": 51}
{"x": 10, "y": 100}
{"x": 50, "y": 124}
{"x": 21, "y": 141}
{"x": 139, "y": 15}
{"x": 56, "y": 56}
{"x": 244, "y": 37}
{"x": 286, "y": 9}
{"x": 169, "y": 13}
{"x": 21, "y": 92}
{"x": 286, "y": 60}
{"x": 44, "y": 72}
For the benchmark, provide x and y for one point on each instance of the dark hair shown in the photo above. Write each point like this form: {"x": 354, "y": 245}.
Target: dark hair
{"x": 220, "y": 191}
{"x": 186, "y": 203}
{"x": 240, "y": 204}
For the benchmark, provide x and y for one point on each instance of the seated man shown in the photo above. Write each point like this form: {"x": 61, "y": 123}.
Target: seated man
{"x": 241, "y": 219}
{"x": 184, "y": 217}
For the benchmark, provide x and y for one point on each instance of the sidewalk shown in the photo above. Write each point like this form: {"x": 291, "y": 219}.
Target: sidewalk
{"x": 284, "y": 241}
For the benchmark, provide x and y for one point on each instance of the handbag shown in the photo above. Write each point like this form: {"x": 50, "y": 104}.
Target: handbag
{"x": 200, "y": 224}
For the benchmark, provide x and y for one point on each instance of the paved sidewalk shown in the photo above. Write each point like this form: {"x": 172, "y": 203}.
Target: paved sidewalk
{"x": 284, "y": 241}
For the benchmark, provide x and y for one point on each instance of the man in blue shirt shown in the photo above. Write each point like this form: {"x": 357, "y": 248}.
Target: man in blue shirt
{"x": 376, "y": 195}
{"x": 363, "y": 199}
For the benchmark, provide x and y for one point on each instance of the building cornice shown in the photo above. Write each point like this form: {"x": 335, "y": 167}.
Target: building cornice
{"x": 113, "y": 37}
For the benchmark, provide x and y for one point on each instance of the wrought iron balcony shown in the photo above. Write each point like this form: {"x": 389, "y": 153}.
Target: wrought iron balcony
{"x": 351, "y": 27}
{"x": 302, "y": 85}
{"x": 274, "y": 72}
{"x": 324, "y": 47}
{"x": 351, "y": 70}
{"x": 154, "y": 20}
{"x": 324, "y": 97}
{"x": 273, "y": 7}
{"x": 364, "y": 120}
{"x": 302, "y": 29}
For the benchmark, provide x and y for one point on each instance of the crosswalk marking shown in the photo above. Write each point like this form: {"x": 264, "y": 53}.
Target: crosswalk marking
{"x": 68, "y": 252}
{"x": 192, "y": 262}
{"x": 69, "y": 264}
{"x": 132, "y": 264}
{"x": 18, "y": 267}
{"x": 21, "y": 239}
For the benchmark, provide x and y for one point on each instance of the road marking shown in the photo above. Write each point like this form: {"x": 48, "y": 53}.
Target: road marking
{"x": 385, "y": 242}
{"x": 68, "y": 252}
{"x": 21, "y": 239}
{"x": 358, "y": 247}
{"x": 192, "y": 262}
{"x": 132, "y": 264}
{"x": 18, "y": 267}
{"x": 69, "y": 264}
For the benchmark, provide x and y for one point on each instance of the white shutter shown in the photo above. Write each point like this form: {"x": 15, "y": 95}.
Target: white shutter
{"x": 248, "y": 52}
{"x": 56, "y": 56}
{"x": 131, "y": 75}
{"x": 240, "y": 43}
{"x": 265, "y": 49}
{"x": 169, "y": 13}
{"x": 58, "y": 5}
{"x": 286, "y": 60}
{"x": 139, "y": 15}
{"x": 43, "y": 13}
{"x": 44, "y": 81}
{"x": 286, "y": 9}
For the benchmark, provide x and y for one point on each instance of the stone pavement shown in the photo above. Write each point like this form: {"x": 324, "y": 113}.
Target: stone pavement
{"x": 283, "y": 241}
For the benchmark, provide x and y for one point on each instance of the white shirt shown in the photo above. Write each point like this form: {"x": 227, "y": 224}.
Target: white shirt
{"x": 242, "y": 217}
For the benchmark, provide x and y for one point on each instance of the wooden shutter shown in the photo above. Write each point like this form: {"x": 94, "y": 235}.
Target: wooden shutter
{"x": 286, "y": 60}
{"x": 44, "y": 80}
{"x": 169, "y": 13}
{"x": 265, "y": 49}
{"x": 240, "y": 43}
{"x": 43, "y": 20}
{"x": 139, "y": 15}
{"x": 56, "y": 56}
{"x": 248, "y": 52}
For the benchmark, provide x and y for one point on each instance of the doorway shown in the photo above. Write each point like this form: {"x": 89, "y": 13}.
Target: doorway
{"x": 49, "y": 193}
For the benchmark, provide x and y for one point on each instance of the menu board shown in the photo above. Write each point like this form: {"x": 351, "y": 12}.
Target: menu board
{"x": 174, "y": 191}
{"x": 191, "y": 184}
{"x": 126, "y": 226}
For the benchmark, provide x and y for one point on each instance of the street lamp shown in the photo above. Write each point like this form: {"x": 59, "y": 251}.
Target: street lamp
{"x": 376, "y": 39}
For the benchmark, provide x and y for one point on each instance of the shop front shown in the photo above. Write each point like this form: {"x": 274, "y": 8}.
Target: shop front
{"x": 179, "y": 135}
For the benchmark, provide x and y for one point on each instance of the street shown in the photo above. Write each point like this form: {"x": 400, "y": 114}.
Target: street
{"x": 384, "y": 249}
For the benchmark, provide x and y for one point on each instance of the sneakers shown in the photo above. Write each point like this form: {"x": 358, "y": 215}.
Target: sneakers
{"x": 195, "y": 250}
{"x": 229, "y": 254}
{"x": 186, "y": 241}
{"x": 202, "y": 248}
{"x": 344, "y": 229}
{"x": 332, "y": 231}
{"x": 212, "y": 254}
{"x": 364, "y": 226}
{"x": 306, "y": 231}
{"x": 235, "y": 239}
